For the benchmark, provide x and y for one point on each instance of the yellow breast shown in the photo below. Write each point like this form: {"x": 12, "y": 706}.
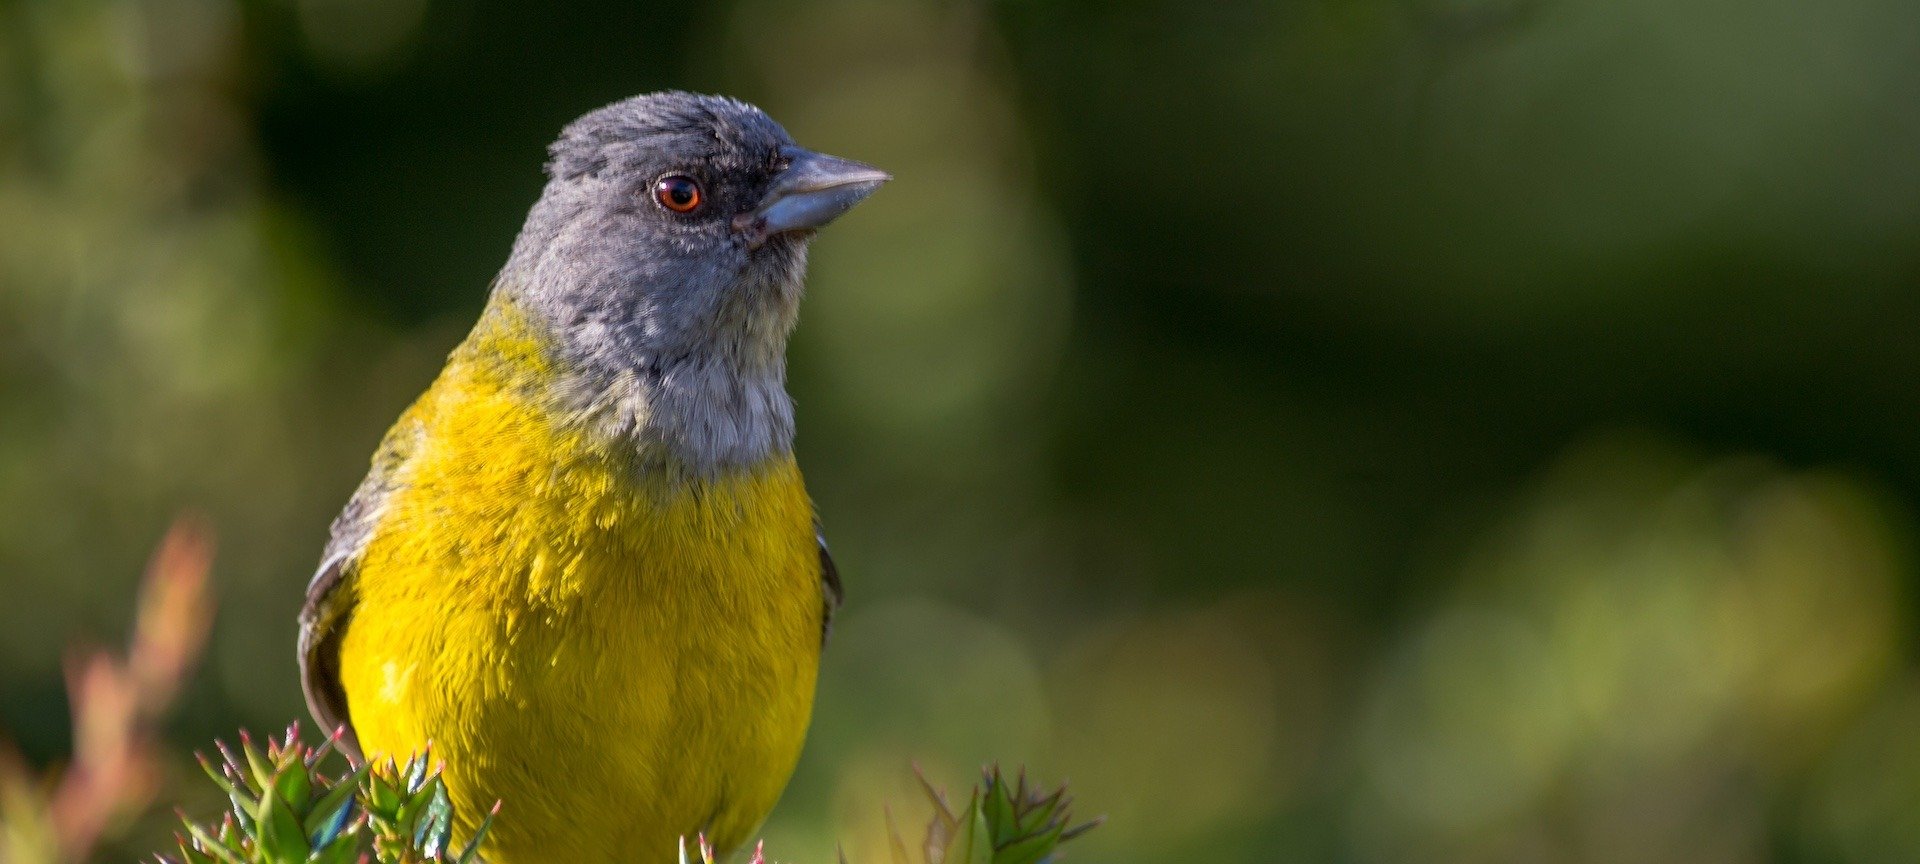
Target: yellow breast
{"x": 620, "y": 659}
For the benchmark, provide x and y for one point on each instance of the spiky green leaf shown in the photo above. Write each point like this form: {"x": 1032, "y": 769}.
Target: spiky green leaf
{"x": 436, "y": 819}
{"x": 280, "y": 836}
{"x": 981, "y": 851}
{"x": 1030, "y": 849}
{"x": 293, "y": 784}
{"x": 257, "y": 763}
{"x": 472, "y": 852}
{"x": 997, "y": 807}
{"x": 208, "y": 844}
{"x": 333, "y": 807}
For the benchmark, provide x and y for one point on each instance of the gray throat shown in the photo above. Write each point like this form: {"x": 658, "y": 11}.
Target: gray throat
{"x": 696, "y": 408}
{"x": 697, "y": 417}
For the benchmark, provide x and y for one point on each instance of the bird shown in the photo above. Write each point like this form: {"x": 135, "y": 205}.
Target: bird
{"x": 584, "y": 565}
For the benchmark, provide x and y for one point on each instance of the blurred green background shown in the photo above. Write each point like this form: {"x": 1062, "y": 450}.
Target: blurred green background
{"x": 1371, "y": 431}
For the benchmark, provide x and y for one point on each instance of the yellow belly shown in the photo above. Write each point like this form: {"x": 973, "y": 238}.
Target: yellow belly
{"x": 620, "y": 661}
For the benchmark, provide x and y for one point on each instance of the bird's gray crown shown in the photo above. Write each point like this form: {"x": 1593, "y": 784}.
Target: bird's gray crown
{"x": 672, "y": 326}
{"x": 663, "y": 126}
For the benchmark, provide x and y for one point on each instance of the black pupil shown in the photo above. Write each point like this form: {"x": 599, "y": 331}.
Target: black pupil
{"x": 679, "y": 190}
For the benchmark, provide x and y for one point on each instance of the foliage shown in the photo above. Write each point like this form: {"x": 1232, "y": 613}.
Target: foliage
{"x": 117, "y": 706}
{"x": 1001, "y": 823}
{"x": 285, "y": 809}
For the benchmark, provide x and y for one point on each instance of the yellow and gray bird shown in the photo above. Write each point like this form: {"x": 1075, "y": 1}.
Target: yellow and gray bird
{"x": 584, "y": 565}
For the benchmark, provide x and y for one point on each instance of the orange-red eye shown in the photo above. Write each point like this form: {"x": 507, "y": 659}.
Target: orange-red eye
{"x": 677, "y": 192}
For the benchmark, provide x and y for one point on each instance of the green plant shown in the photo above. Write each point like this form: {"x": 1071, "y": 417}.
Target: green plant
{"x": 285, "y": 810}
{"x": 1001, "y": 823}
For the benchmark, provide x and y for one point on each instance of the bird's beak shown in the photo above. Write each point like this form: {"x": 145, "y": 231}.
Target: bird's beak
{"x": 814, "y": 190}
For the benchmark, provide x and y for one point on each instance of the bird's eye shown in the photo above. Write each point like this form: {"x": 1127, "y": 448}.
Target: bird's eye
{"x": 677, "y": 192}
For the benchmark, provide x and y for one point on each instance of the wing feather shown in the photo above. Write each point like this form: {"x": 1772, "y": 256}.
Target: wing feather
{"x": 831, "y": 594}
{"x": 331, "y": 594}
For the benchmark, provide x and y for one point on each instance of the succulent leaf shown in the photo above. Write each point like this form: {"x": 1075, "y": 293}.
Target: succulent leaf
{"x": 256, "y": 762}
{"x": 208, "y": 844}
{"x": 293, "y": 784}
{"x": 280, "y": 835}
{"x": 286, "y": 810}
{"x": 1003, "y": 823}
{"x": 436, "y": 819}
{"x": 472, "y": 852}
{"x": 979, "y": 843}
{"x": 334, "y": 808}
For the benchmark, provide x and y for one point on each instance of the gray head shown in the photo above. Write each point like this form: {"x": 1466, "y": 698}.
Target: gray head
{"x": 667, "y": 254}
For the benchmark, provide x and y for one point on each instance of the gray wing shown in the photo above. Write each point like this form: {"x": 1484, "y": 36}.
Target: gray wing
{"x": 331, "y": 593}
{"x": 323, "y": 620}
{"x": 831, "y": 593}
